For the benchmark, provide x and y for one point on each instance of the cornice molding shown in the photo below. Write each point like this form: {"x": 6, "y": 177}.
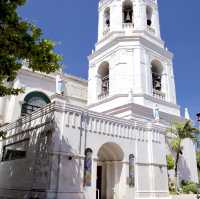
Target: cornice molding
{"x": 144, "y": 41}
{"x": 148, "y": 97}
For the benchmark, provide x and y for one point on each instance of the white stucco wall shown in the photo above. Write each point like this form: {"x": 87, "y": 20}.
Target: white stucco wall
{"x": 75, "y": 92}
{"x": 65, "y": 180}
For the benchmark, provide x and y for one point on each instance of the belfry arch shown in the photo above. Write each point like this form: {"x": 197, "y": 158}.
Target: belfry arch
{"x": 127, "y": 10}
{"x": 103, "y": 86}
{"x": 157, "y": 71}
{"x": 149, "y": 13}
{"x": 106, "y": 19}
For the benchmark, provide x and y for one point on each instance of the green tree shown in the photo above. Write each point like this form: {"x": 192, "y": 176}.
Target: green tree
{"x": 19, "y": 41}
{"x": 170, "y": 162}
{"x": 180, "y": 131}
{"x": 198, "y": 164}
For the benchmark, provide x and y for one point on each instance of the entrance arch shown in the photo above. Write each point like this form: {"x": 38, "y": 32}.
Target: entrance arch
{"x": 109, "y": 169}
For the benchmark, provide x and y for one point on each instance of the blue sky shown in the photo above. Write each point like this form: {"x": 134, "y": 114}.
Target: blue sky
{"x": 73, "y": 25}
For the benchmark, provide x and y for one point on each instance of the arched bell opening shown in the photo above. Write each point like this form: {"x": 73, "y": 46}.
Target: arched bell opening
{"x": 109, "y": 169}
{"x": 157, "y": 70}
{"x": 149, "y": 13}
{"x": 107, "y": 19}
{"x": 103, "y": 73}
{"x": 127, "y": 12}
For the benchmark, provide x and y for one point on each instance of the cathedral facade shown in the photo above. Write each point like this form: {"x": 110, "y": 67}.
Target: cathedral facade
{"x": 104, "y": 138}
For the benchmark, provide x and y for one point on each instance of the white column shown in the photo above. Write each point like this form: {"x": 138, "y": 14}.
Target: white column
{"x": 10, "y": 109}
{"x": 188, "y": 161}
{"x": 156, "y": 21}
{"x": 172, "y": 84}
{"x": 2, "y": 109}
{"x": 116, "y": 177}
{"x": 143, "y": 63}
{"x": 164, "y": 84}
{"x": 139, "y": 15}
{"x": 150, "y": 157}
{"x": 115, "y": 16}
{"x": 149, "y": 84}
{"x": 100, "y": 24}
{"x": 94, "y": 179}
{"x": 137, "y": 71}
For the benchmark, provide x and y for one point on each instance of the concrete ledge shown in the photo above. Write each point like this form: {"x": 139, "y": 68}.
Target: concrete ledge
{"x": 184, "y": 196}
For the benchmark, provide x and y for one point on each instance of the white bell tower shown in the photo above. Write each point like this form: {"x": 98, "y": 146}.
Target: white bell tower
{"x": 130, "y": 67}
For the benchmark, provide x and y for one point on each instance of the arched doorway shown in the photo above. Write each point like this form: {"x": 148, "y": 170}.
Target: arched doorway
{"x": 109, "y": 169}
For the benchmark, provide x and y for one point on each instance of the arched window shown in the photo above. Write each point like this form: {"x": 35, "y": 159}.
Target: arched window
{"x": 157, "y": 70}
{"x": 88, "y": 167}
{"x": 127, "y": 12}
{"x": 34, "y": 101}
{"x": 149, "y": 12}
{"x": 104, "y": 79}
{"x": 107, "y": 19}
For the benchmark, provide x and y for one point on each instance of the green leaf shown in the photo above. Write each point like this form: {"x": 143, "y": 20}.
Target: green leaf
{"x": 21, "y": 40}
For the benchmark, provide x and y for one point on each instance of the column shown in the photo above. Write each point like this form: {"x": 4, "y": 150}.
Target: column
{"x": 149, "y": 88}
{"x": 116, "y": 180}
{"x": 137, "y": 71}
{"x": 101, "y": 23}
{"x": 11, "y": 105}
{"x": 150, "y": 158}
{"x": 109, "y": 180}
{"x": 139, "y": 15}
{"x": 2, "y": 109}
{"x": 156, "y": 21}
{"x": 165, "y": 83}
{"x": 115, "y": 16}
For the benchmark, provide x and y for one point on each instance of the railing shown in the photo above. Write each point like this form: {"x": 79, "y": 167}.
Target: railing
{"x": 106, "y": 30}
{"x": 75, "y": 116}
{"x": 128, "y": 25}
{"x": 151, "y": 30}
{"x": 43, "y": 115}
{"x": 159, "y": 95}
{"x": 28, "y": 108}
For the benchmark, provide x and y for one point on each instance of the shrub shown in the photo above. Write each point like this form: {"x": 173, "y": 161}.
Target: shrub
{"x": 189, "y": 187}
{"x": 170, "y": 162}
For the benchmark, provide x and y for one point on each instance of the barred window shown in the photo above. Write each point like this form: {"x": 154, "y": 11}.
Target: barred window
{"x": 17, "y": 150}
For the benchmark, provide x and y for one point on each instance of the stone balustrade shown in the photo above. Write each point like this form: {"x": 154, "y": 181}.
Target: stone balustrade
{"x": 159, "y": 95}
{"x": 151, "y": 30}
{"x": 79, "y": 118}
{"x": 128, "y": 25}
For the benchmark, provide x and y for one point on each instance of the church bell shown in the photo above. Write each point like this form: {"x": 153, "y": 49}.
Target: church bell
{"x": 158, "y": 85}
{"x": 128, "y": 17}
